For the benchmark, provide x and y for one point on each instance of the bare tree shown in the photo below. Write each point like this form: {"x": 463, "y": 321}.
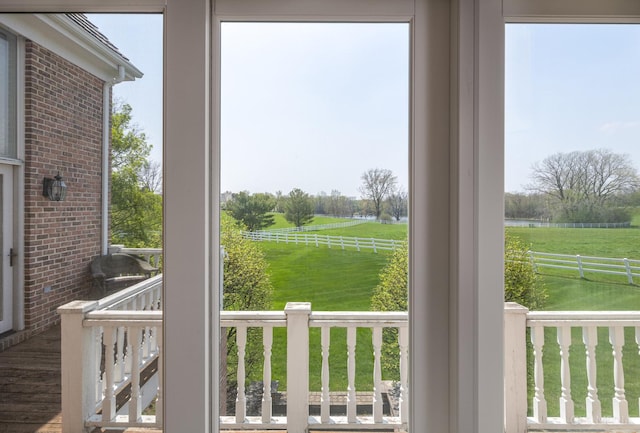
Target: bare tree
{"x": 150, "y": 176}
{"x": 377, "y": 184}
{"x": 584, "y": 182}
{"x": 398, "y": 203}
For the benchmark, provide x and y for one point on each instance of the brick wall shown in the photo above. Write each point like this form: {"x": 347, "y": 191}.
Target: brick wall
{"x": 63, "y": 132}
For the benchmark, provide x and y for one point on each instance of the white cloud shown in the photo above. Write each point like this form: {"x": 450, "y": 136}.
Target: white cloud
{"x": 613, "y": 127}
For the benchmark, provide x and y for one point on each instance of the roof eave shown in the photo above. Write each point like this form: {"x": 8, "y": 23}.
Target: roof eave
{"x": 60, "y": 34}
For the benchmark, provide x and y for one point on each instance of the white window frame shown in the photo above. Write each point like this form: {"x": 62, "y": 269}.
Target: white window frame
{"x": 457, "y": 180}
{"x": 13, "y": 84}
{"x": 447, "y": 320}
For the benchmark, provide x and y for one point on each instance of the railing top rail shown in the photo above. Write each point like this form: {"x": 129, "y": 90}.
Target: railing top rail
{"x": 583, "y": 318}
{"x": 141, "y": 251}
{"x": 125, "y": 295}
{"x": 253, "y": 318}
{"x": 122, "y": 318}
{"x": 257, "y": 315}
{"x": 359, "y": 318}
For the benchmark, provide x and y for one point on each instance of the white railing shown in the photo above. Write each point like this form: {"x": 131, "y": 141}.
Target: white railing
{"x": 587, "y": 323}
{"x": 298, "y": 318}
{"x": 314, "y": 239}
{"x": 151, "y": 255}
{"x": 112, "y": 364}
{"x": 586, "y": 264}
{"x": 111, "y": 359}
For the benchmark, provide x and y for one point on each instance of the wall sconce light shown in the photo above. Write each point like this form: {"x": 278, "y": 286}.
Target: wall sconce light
{"x": 55, "y": 189}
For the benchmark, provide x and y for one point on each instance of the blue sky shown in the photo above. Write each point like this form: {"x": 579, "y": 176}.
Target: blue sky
{"x": 139, "y": 38}
{"x": 314, "y": 105}
{"x": 569, "y": 87}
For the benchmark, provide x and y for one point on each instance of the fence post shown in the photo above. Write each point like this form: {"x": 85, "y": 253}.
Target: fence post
{"x": 580, "y": 270}
{"x": 628, "y": 268}
{"x": 297, "y": 366}
{"x": 515, "y": 368}
{"x": 78, "y": 366}
{"x": 532, "y": 259}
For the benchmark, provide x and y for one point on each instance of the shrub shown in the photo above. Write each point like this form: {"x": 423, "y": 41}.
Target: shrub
{"x": 246, "y": 287}
{"x": 521, "y": 283}
{"x": 391, "y": 295}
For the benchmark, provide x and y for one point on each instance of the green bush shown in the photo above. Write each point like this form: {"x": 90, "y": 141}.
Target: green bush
{"x": 391, "y": 295}
{"x": 521, "y": 283}
{"x": 247, "y": 286}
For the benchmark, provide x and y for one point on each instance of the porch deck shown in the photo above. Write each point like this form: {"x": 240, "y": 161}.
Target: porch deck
{"x": 30, "y": 383}
{"x": 30, "y": 397}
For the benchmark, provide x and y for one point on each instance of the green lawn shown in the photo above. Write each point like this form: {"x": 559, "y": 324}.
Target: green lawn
{"x": 371, "y": 229}
{"x": 332, "y": 280}
{"x": 282, "y": 223}
{"x": 577, "y": 294}
{"x": 598, "y": 292}
{"x": 587, "y": 242}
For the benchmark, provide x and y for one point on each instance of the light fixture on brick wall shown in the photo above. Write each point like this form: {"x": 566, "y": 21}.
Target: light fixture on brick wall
{"x": 55, "y": 189}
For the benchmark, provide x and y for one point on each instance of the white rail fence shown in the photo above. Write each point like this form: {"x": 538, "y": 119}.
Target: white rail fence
{"x": 586, "y": 264}
{"x": 111, "y": 359}
{"x": 576, "y": 332}
{"x": 314, "y": 239}
{"x": 317, "y": 227}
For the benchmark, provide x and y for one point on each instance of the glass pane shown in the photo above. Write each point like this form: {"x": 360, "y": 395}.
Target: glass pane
{"x": 571, "y": 205}
{"x": 314, "y": 181}
{"x": 8, "y": 89}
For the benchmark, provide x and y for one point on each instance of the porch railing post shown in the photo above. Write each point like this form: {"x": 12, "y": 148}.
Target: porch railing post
{"x": 297, "y": 366}
{"x": 515, "y": 368}
{"x": 78, "y": 366}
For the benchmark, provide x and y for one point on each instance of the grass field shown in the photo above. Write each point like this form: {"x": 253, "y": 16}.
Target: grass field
{"x": 333, "y": 279}
{"x": 281, "y": 223}
{"x": 597, "y": 292}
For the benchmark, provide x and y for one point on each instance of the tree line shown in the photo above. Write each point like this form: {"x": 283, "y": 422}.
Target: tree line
{"x": 381, "y": 197}
{"x": 578, "y": 187}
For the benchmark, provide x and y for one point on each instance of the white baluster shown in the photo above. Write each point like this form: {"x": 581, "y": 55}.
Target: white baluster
{"x": 377, "y": 375}
{"x": 351, "y": 375}
{"x": 146, "y": 344}
{"x": 135, "y": 404}
{"x": 539, "y": 401}
{"x": 638, "y": 344}
{"x": 109, "y": 402}
{"x": 267, "y": 341}
{"x": 403, "y": 341}
{"x": 566, "y": 402}
{"x": 590, "y": 339}
{"x": 127, "y": 358}
{"x": 241, "y": 400}
{"x": 620, "y": 405}
{"x": 160, "y": 397}
{"x": 98, "y": 358}
{"x": 325, "y": 399}
{"x": 119, "y": 366}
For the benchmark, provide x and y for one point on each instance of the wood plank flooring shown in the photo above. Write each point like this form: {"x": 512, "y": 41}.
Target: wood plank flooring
{"x": 30, "y": 385}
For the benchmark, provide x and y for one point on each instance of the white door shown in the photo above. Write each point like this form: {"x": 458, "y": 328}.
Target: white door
{"x": 6, "y": 247}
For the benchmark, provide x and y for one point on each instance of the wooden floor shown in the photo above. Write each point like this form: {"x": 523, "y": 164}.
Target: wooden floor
{"x": 30, "y": 385}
